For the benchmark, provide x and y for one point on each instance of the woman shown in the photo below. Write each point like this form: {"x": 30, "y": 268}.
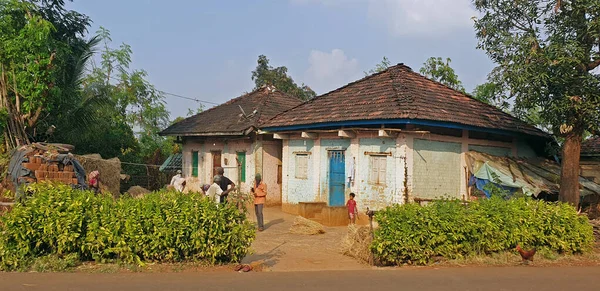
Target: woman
{"x": 260, "y": 193}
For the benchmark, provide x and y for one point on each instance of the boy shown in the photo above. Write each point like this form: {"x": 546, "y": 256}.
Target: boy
{"x": 352, "y": 209}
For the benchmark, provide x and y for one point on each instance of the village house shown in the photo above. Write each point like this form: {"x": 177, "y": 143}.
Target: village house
{"x": 226, "y": 136}
{"x": 590, "y": 159}
{"x": 391, "y": 137}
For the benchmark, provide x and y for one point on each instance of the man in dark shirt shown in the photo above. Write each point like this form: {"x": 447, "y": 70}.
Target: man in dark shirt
{"x": 225, "y": 182}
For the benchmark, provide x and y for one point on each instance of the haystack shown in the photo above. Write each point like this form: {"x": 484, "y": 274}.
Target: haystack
{"x": 110, "y": 171}
{"x": 306, "y": 226}
{"x": 137, "y": 191}
{"x": 357, "y": 243}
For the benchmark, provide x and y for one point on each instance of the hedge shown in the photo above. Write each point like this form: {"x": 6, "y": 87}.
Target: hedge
{"x": 163, "y": 226}
{"x": 415, "y": 234}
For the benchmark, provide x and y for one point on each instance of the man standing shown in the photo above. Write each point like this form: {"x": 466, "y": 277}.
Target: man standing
{"x": 178, "y": 182}
{"x": 260, "y": 193}
{"x": 224, "y": 183}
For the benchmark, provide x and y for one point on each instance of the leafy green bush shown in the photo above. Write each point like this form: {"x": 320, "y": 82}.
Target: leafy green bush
{"x": 416, "y": 234}
{"x": 160, "y": 227}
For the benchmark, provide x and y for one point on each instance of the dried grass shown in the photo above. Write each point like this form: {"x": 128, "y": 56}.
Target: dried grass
{"x": 306, "y": 226}
{"x": 357, "y": 243}
{"x": 110, "y": 171}
{"x": 137, "y": 191}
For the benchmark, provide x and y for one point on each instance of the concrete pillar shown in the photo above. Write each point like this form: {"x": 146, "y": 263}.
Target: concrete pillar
{"x": 285, "y": 158}
{"x": 316, "y": 170}
{"x": 258, "y": 155}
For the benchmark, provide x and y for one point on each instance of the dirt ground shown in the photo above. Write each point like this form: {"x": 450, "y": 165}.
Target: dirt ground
{"x": 447, "y": 279}
{"x": 278, "y": 250}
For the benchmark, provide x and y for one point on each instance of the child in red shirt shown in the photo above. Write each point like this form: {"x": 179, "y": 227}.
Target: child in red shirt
{"x": 352, "y": 209}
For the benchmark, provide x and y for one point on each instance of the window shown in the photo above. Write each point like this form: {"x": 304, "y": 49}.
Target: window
{"x": 301, "y": 166}
{"x": 377, "y": 167}
{"x": 194, "y": 163}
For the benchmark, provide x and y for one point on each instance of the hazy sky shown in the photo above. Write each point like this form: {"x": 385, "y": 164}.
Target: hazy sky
{"x": 207, "y": 49}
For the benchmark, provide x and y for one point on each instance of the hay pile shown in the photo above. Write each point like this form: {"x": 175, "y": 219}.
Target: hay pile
{"x": 356, "y": 243}
{"x": 137, "y": 191}
{"x": 596, "y": 227}
{"x": 110, "y": 171}
{"x": 306, "y": 226}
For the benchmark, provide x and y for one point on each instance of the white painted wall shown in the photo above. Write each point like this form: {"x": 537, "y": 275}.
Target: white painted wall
{"x": 315, "y": 187}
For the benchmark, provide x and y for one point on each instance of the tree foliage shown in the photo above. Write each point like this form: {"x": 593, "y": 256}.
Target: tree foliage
{"x": 382, "y": 66}
{"x": 28, "y": 65}
{"x": 439, "y": 70}
{"x": 265, "y": 74}
{"x": 547, "y": 53}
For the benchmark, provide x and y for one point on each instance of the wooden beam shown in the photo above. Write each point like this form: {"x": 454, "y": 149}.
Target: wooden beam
{"x": 281, "y": 136}
{"x": 386, "y": 133}
{"x": 310, "y": 135}
{"x": 346, "y": 134}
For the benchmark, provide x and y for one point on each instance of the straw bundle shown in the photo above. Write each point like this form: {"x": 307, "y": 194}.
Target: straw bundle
{"x": 137, "y": 191}
{"x": 306, "y": 226}
{"x": 356, "y": 243}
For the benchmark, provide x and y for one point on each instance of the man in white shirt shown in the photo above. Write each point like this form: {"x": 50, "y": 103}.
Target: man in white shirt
{"x": 178, "y": 182}
{"x": 214, "y": 191}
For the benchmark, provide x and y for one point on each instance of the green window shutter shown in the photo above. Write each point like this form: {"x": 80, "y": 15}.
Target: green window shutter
{"x": 242, "y": 160}
{"x": 195, "y": 163}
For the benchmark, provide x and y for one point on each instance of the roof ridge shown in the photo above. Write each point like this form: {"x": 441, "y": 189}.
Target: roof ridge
{"x": 340, "y": 88}
{"x": 394, "y": 77}
{"x": 399, "y": 65}
{"x": 475, "y": 99}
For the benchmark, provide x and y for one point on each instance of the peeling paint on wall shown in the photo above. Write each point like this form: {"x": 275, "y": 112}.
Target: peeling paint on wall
{"x": 300, "y": 190}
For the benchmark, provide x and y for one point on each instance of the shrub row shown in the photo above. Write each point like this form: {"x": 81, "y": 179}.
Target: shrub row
{"x": 160, "y": 227}
{"x": 416, "y": 234}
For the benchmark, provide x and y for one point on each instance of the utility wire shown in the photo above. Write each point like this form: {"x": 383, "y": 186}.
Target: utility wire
{"x": 170, "y": 94}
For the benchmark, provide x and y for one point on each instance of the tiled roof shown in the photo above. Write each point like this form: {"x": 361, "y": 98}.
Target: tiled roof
{"x": 591, "y": 147}
{"x": 172, "y": 164}
{"x": 227, "y": 118}
{"x": 400, "y": 93}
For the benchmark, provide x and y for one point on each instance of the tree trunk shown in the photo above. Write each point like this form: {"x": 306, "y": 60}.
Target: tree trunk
{"x": 569, "y": 175}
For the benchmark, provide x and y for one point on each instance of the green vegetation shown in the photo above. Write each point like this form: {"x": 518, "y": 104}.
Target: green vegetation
{"x": 416, "y": 234}
{"x": 547, "y": 56}
{"x": 265, "y": 74}
{"x": 59, "y": 227}
{"x": 439, "y": 70}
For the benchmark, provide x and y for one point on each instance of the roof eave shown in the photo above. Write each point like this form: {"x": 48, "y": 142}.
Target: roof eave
{"x": 243, "y": 132}
{"x": 421, "y": 122}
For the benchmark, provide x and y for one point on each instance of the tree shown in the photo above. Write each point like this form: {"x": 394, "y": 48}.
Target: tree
{"x": 41, "y": 46}
{"x": 439, "y": 70}
{"x": 546, "y": 54}
{"x": 385, "y": 63}
{"x": 265, "y": 74}
{"x": 27, "y": 68}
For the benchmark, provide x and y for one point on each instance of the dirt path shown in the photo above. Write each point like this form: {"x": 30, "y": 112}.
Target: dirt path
{"x": 448, "y": 279}
{"x": 280, "y": 250}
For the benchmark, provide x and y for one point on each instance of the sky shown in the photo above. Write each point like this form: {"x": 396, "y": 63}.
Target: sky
{"x": 207, "y": 49}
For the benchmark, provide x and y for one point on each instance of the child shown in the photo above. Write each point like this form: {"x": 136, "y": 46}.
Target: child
{"x": 352, "y": 209}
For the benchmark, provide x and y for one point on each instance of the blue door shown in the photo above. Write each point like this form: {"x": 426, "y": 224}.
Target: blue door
{"x": 337, "y": 178}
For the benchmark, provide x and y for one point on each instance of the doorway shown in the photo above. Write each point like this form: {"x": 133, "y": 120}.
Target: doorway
{"x": 216, "y": 161}
{"x": 337, "y": 178}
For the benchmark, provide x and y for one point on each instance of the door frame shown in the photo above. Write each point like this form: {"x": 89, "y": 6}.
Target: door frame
{"x": 342, "y": 153}
{"x": 214, "y": 167}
